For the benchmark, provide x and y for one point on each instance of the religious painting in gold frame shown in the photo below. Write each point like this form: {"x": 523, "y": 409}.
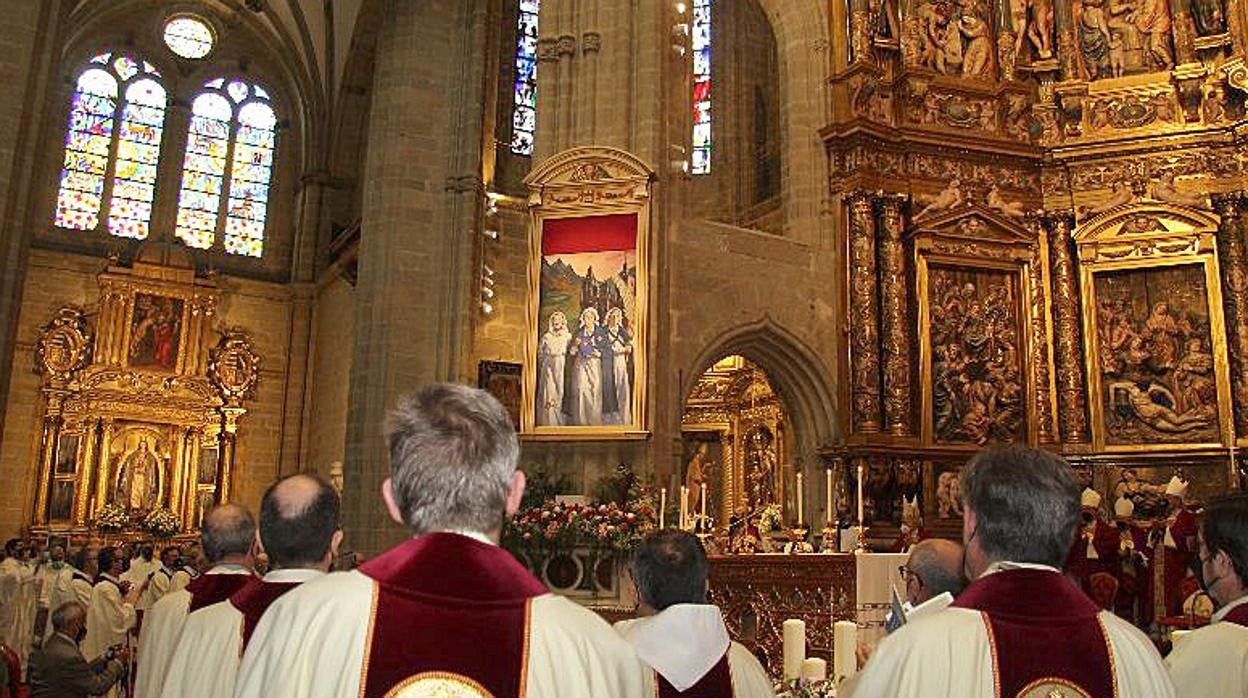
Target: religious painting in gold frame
{"x": 976, "y": 334}
{"x": 585, "y": 375}
{"x": 1154, "y": 331}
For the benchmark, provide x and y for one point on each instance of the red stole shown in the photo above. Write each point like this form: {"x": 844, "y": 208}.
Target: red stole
{"x": 254, "y": 599}
{"x": 448, "y": 605}
{"x": 716, "y": 683}
{"x": 1238, "y": 615}
{"x": 1044, "y": 631}
{"x": 214, "y": 588}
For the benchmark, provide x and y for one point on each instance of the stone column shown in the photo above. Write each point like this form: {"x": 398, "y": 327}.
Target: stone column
{"x": 421, "y": 194}
{"x": 1038, "y": 356}
{"x": 1234, "y": 267}
{"x": 864, "y": 314}
{"x": 1070, "y": 357}
{"x": 895, "y": 318}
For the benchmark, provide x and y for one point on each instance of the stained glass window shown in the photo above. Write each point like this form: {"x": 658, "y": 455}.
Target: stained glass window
{"x": 189, "y": 37}
{"x": 104, "y": 162}
{"x": 701, "y": 87}
{"x": 524, "y": 98}
{"x": 227, "y": 169}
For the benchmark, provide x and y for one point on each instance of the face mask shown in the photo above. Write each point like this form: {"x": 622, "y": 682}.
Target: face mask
{"x": 1086, "y": 516}
{"x": 1198, "y": 570}
{"x": 80, "y": 635}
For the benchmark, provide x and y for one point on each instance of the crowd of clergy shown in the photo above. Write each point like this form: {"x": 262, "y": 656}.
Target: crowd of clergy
{"x": 254, "y": 609}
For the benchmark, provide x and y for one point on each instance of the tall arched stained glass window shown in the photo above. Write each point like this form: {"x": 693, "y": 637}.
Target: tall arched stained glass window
{"x": 524, "y": 95}
{"x": 701, "y": 87}
{"x": 109, "y": 165}
{"x": 228, "y": 167}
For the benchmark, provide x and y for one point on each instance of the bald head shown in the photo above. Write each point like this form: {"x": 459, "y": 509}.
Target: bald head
{"x": 299, "y": 522}
{"x": 937, "y": 565}
{"x": 227, "y": 533}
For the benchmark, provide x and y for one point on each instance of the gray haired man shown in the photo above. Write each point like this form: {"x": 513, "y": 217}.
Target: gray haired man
{"x": 1020, "y": 627}
{"x": 446, "y": 611}
{"x": 59, "y": 670}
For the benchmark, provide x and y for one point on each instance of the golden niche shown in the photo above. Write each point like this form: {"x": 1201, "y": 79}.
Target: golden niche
{"x": 141, "y": 397}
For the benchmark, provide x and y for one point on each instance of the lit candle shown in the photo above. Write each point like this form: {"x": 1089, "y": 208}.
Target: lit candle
{"x": 662, "y": 508}
{"x": 829, "y": 477}
{"x": 794, "y": 634}
{"x": 844, "y": 649}
{"x": 860, "y": 507}
{"x": 799, "y": 498}
{"x": 704, "y": 504}
{"x": 684, "y": 505}
{"x": 814, "y": 669}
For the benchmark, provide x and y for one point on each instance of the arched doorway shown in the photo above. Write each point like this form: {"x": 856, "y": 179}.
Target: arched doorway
{"x": 736, "y": 440}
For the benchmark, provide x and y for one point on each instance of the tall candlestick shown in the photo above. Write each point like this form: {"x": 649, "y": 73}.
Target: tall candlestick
{"x": 662, "y": 508}
{"x": 684, "y": 505}
{"x": 794, "y": 647}
{"x": 861, "y": 520}
{"x": 799, "y": 498}
{"x": 830, "y": 503}
{"x": 703, "y": 494}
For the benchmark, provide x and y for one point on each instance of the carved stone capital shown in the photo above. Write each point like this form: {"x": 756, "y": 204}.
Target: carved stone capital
{"x": 591, "y": 42}
{"x": 566, "y": 45}
{"x": 547, "y": 50}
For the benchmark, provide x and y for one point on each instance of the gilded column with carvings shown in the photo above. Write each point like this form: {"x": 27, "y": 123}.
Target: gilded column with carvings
{"x": 864, "y": 314}
{"x": 894, "y": 318}
{"x": 1039, "y": 356}
{"x": 1235, "y": 292}
{"x": 1070, "y": 384}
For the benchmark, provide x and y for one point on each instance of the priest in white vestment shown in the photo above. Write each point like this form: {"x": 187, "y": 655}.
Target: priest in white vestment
{"x": 111, "y": 614}
{"x": 1021, "y": 628}
{"x": 160, "y": 579}
{"x": 228, "y": 533}
{"x": 447, "y": 611}
{"x": 299, "y": 533}
{"x": 18, "y": 600}
{"x": 680, "y": 636}
{"x": 140, "y": 566}
{"x": 84, "y": 571}
{"x": 189, "y": 568}
{"x": 55, "y": 586}
{"x": 1212, "y": 662}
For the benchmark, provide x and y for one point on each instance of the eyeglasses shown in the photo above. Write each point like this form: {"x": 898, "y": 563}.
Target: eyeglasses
{"x": 907, "y": 574}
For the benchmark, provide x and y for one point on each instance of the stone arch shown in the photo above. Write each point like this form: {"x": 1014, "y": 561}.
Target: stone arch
{"x": 795, "y": 372}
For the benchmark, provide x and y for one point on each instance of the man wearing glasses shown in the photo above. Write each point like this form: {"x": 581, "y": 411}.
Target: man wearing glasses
{"x": 933, "y": 576}
{"x": 1213, "y": 661}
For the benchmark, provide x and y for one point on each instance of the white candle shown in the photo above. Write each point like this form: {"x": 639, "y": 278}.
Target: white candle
{"x": 815, "y": 669}
{"x": 829, "y": 512}
{"x": 794, "y": 648}
{"x": 860, "y": 508}
{"x": 704, "y": 503}
{"x": 844, "y": 649}
{"x": 662, "y": 508}
{"x": 799, "y": 498}
{"x": 684, "y": 505}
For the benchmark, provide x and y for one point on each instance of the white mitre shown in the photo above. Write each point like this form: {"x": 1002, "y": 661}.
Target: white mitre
{"x": 1090, "y": 499}
{"x": 1176, "y": 488}
{"x": 1124, "y": 508}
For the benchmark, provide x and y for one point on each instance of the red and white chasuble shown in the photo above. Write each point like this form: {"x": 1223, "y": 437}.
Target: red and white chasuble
{"x": 162, "y": 627}
{"x": 688, "y": 649}
{"x": 1019, "y": 631}
{"x": 205, "y": 662}
{"x": 1212, "y": 662}
{"x": 443, "y": 613}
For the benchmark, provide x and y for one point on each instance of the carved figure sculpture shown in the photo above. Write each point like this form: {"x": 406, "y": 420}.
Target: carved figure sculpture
{"x": 1209, "y": 16}
{"x": 1094, "y": 39}
{"x": 977, "y": 56}
{"x": 948, "y": 495}
{"x": 138, "y": 479}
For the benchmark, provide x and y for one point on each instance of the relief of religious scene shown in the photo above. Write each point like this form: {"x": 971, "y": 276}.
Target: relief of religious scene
{"x": 977, "y": 383}
{"x": 1156, "y": 363}
{"x": 1124, "y": 37}
{"x": 950, "y": 37}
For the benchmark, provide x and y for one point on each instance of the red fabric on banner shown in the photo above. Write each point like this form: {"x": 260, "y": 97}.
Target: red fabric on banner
{"x": 612, "y": 233}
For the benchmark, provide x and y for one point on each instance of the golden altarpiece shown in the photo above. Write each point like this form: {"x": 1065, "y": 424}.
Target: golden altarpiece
{"x": 1041, "y": 214}
{"x": 142, "y": 397}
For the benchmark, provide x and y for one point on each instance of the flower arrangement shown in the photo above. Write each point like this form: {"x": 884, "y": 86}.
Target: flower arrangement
{"x": 555, "y": 525}
{"x": 162, "y": 523}
{"x": 804, "y": 688}
{"x": 112, "y": 518}
{"x": 769, "y": 519}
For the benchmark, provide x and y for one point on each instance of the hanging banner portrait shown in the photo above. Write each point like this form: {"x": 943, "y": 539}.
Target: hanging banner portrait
{"x": 585, "y": 372}
{"x": 1154, "y": 332}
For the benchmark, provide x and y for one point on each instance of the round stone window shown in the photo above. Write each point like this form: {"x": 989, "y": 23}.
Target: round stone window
{"x": 189, "y": 37}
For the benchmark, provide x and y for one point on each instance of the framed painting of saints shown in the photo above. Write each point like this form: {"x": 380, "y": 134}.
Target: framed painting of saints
{"x": 703, "y": 463}
{"x": 155, "y": 336}
{"x": 586, "y": 373}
